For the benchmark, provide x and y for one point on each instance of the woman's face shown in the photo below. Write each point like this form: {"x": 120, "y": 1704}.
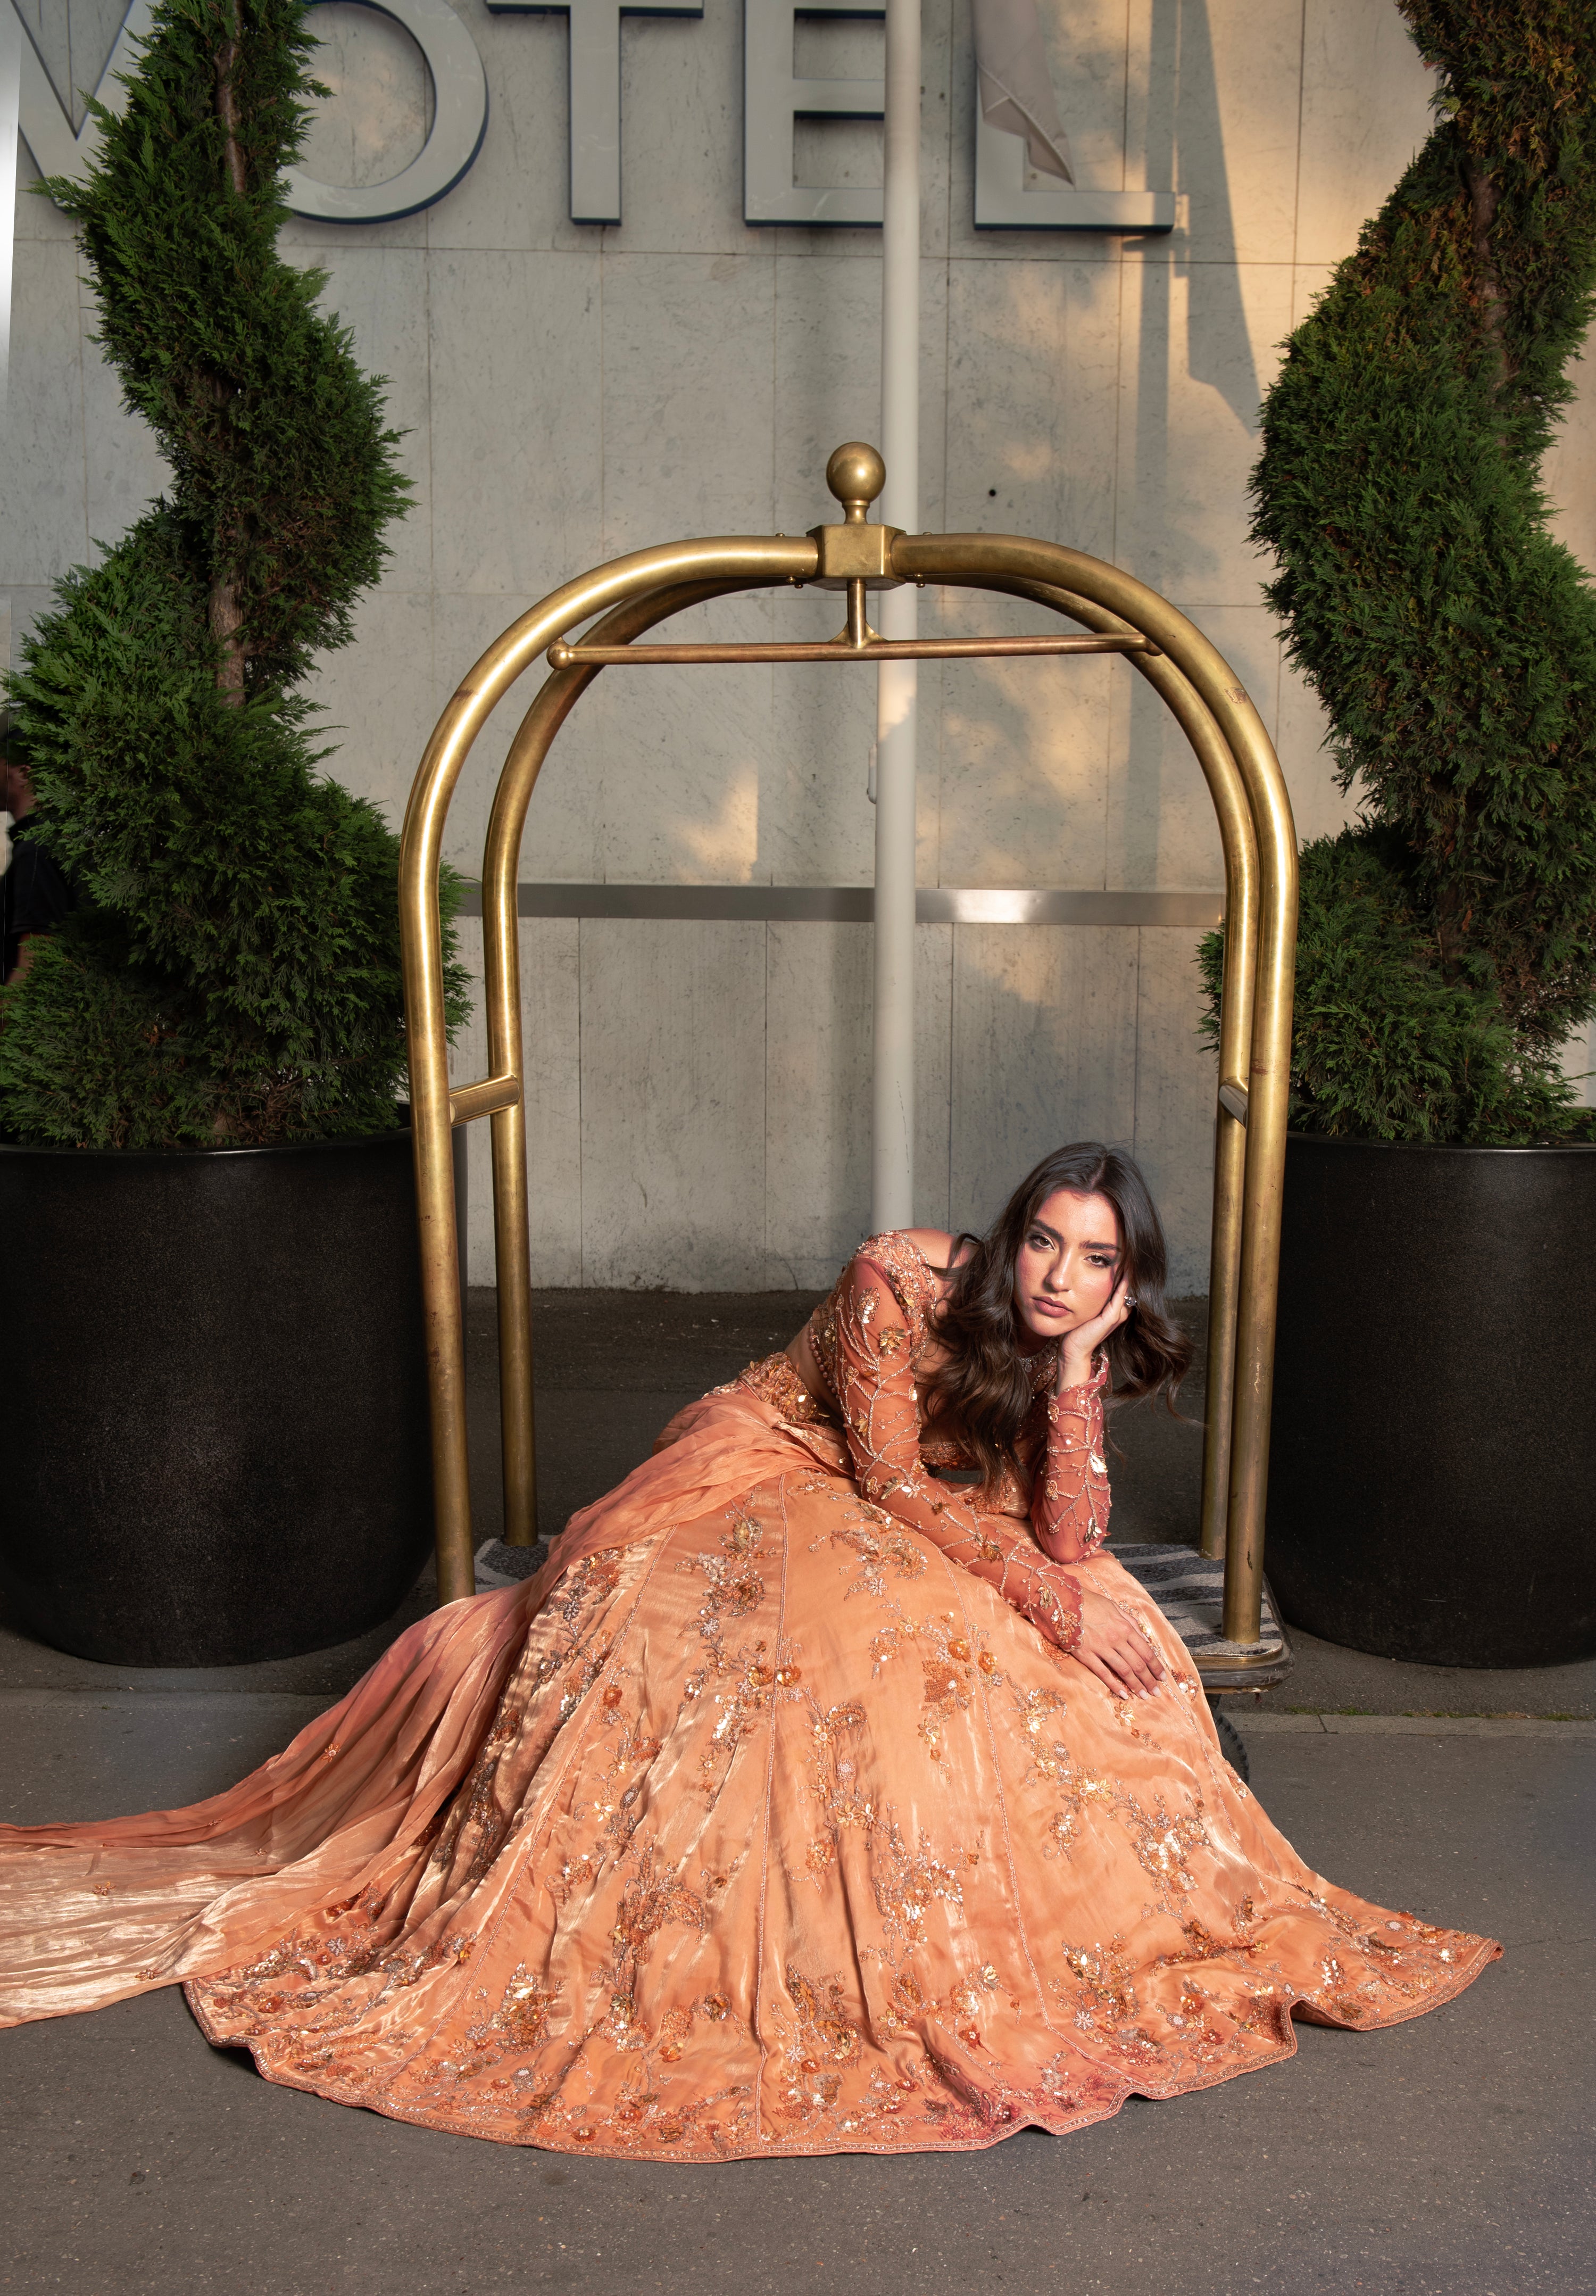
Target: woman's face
{"x": 1068, "y": 1263}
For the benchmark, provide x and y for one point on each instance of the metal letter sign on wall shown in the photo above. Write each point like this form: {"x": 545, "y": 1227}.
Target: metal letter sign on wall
{"x": 42, "y": 120}
{"x": 775, "y": 97}
{"x": 595, "y": 80}
{"x": 459, "y": 116}
{"x": 1002, "y": 202}
{"x": 459, "y": 124}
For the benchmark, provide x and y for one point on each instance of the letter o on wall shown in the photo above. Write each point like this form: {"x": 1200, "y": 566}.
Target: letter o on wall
{"x": 459, "y": 123}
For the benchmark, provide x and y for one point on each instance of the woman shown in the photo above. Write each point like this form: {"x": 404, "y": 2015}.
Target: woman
{"x": 831, "y": 1789}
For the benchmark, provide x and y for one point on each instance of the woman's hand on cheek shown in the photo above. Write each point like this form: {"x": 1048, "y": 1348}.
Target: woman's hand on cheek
{"x": 1078, "y": 1347}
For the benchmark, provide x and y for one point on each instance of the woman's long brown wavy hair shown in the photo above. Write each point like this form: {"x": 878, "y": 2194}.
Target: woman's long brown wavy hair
{"x": 983, "y": 1389}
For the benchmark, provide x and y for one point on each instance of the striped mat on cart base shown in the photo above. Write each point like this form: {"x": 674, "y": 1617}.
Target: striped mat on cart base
{"x": 1187, "y": 1586}
{"x": 1188, "y": 1589}
{"x": 498, "y": 1565}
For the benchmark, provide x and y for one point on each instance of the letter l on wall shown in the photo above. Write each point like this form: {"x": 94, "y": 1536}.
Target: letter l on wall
{"x": 595, "y": 91}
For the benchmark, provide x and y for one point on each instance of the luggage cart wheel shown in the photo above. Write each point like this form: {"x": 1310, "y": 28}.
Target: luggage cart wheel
{"x": 1232, "y": 1744}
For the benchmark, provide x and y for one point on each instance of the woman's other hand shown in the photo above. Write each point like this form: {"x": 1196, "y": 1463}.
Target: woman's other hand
{"x": 1115, "y": 1649}
{"x": 1079, "y": 1346}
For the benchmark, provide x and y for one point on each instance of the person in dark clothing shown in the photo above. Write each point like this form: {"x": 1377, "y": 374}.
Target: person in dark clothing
{"x": 34, "y": 893}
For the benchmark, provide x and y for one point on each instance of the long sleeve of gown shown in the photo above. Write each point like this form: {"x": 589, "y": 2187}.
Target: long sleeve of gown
{"x": 881, "y": 1413}
{"x": 1069, "y": 1499}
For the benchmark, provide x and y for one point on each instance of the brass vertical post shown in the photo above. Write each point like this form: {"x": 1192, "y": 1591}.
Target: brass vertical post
{"x": 511, "y": 1235}
{"x": 1230, "y": 1175}
{"x": 1268, "y": 1095}
{"x": 431, "y": 1146}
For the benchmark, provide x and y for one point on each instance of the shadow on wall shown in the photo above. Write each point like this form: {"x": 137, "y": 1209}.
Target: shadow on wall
{"x": 1184, "y": 106}
{"x": 1080, "y": 1033}
{"x": 698, "y": 1100}
{"x": 1183, "y": 115}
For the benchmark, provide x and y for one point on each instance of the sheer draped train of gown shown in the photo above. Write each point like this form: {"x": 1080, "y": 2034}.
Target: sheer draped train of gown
{"x": 772, "y": 1816}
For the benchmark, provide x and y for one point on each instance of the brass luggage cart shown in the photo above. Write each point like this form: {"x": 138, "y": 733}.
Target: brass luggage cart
{"x": 1236, "y": 1639}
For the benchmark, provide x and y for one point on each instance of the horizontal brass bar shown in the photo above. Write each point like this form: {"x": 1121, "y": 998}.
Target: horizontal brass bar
{"x": 1233, "y": 1099}
{"x": 618, "y": 657}
{"x": 474, "y": 1099}
{"x": 934, "y": 904}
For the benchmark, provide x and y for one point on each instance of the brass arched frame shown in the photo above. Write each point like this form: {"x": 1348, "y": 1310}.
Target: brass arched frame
{"x": 1254, "y": 814}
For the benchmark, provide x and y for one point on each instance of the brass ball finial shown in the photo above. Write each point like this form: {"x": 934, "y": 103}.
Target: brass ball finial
{"x": 855, "y": 475}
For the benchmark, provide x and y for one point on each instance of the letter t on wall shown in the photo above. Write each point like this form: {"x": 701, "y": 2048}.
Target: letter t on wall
{"x": 595, "y": 92}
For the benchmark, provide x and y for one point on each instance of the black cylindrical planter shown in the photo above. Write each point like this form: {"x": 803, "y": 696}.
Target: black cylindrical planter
{"x": 213, "y": 1416}
{"x": 1432, "y": 1473}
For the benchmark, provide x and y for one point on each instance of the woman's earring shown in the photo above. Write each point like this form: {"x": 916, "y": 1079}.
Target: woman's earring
{"x": 1130, "y": 1299}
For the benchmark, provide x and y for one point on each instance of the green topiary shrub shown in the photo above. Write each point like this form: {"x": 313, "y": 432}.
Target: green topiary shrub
{"x": 231, "y": 975}
{"x": 1448, "y": 944}
{"x": 1385, "y": 1047}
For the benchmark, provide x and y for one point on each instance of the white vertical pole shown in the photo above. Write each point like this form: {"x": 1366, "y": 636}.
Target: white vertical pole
{"x": 11, "y": 85}
{"x": 892, "y": 1156}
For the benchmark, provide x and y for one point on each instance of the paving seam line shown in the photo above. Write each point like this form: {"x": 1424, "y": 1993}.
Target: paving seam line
{"x": 1420, "y": 1725}
{"x": 124, "y": 1694}
{"x": 1257, "y": 1724}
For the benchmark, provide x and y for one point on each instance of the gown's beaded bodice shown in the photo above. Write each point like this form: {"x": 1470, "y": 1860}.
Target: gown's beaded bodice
{"x": 871, "y": 1337}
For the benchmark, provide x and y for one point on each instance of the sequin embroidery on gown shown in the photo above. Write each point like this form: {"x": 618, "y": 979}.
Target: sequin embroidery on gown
{"x": 772, "y": 1816}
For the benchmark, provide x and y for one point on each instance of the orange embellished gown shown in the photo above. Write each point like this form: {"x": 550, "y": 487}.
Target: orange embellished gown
{"x": 772, "y": 1816}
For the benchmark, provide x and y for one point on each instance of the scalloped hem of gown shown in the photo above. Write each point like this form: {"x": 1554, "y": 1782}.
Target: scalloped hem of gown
{"x": 774, "y": 2148}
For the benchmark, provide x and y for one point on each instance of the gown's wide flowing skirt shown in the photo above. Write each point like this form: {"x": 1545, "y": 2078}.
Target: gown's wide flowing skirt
{"x": 751, "y": 1826}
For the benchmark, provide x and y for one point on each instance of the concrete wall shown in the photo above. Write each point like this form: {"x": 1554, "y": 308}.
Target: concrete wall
{"x": 700, "y": 1105}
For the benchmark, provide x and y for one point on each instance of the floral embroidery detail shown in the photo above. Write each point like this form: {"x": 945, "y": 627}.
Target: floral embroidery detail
{"x": 776, "y": 1381}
